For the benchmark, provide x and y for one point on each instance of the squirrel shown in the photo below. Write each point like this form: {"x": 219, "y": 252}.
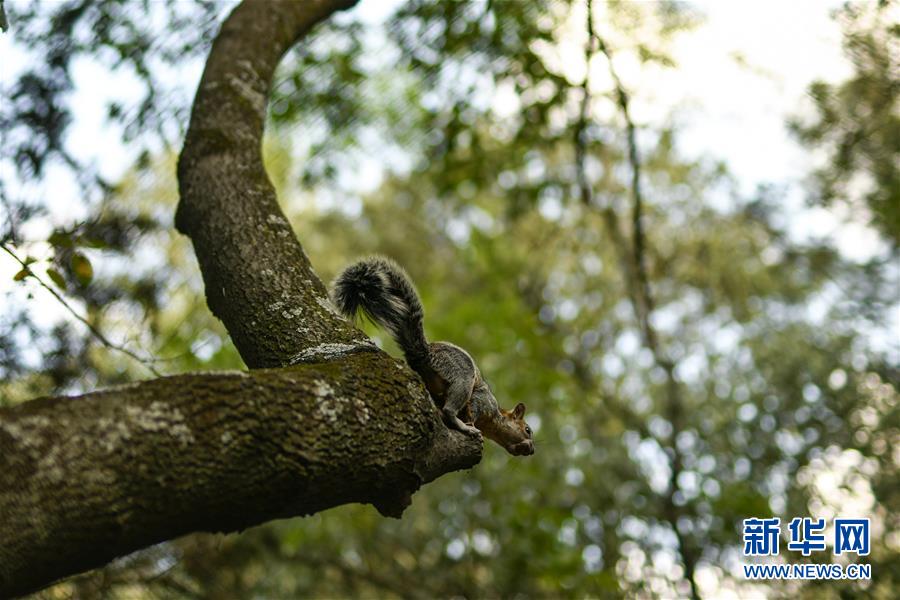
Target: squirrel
{"x": 382, "y": 290}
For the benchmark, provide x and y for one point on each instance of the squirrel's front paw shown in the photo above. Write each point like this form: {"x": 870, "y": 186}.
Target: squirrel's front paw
{"x": 454, "y": 422}
{"x": 472, "y": 430}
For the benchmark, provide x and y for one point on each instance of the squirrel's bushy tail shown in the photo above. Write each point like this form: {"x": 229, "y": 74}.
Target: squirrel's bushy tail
{"x": 383, "y": 291}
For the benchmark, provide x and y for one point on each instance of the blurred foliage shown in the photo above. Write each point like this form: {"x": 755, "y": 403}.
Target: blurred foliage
{"x": 788, "y": 401}
{"x": 36, "y": 115}
{"x": 858, "y": 121}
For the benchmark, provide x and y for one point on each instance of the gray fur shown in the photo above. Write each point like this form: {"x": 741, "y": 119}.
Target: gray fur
{"x": 380, "y": 289}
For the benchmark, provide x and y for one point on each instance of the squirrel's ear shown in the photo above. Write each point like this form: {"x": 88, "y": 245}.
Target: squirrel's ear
{"x": 519, "y": 411}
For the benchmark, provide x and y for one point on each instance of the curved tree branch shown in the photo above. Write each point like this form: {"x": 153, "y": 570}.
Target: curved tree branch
{"x": 259, "y": 281}
{"x": 86, "y": 479}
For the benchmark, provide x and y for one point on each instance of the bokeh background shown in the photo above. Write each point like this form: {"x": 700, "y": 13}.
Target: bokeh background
{"x": 713, "y": 339}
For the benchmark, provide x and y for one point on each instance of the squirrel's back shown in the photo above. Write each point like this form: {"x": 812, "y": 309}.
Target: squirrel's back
{"x": 382, "y": 290}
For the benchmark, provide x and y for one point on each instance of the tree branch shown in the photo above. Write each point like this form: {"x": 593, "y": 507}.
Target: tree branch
{"x": 86, "y": 479}
{"x": 637, "y": 280}
{"x": 644, "y": 296}
{"x": 146, "y": 362}
{"x": 259, "y": 281}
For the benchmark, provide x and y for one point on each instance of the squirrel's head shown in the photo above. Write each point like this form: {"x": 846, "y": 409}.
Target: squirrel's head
{"x": 513, "y": 433}
{"x": 506, "y": 427}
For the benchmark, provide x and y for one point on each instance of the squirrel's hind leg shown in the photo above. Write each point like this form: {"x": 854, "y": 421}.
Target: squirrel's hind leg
{"x": 458, "y": 395}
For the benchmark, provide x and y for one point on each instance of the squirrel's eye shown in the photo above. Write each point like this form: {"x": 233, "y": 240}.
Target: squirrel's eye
{"x": 528, "y": 430}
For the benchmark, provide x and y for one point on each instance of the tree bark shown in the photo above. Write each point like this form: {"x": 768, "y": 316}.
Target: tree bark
{"x": 334, "y": 420}
{"x": 86, "y": 479}
{"x": 259, "y": 281}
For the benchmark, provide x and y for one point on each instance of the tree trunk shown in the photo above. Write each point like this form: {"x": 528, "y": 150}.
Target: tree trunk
{"x": 334, "y": 420}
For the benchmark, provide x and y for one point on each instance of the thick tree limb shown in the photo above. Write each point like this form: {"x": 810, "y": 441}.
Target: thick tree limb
{"x": 259, "y": 281}
{"x": 86, "y": 479}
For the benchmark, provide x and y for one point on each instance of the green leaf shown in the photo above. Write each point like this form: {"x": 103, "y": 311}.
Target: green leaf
{"x": 82, "y": 268}
{"x": 21, "y": 275}
{"x": 93, "y": 242}
{"x": 55, "y": 276}
{"x": 60, "y": 238}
